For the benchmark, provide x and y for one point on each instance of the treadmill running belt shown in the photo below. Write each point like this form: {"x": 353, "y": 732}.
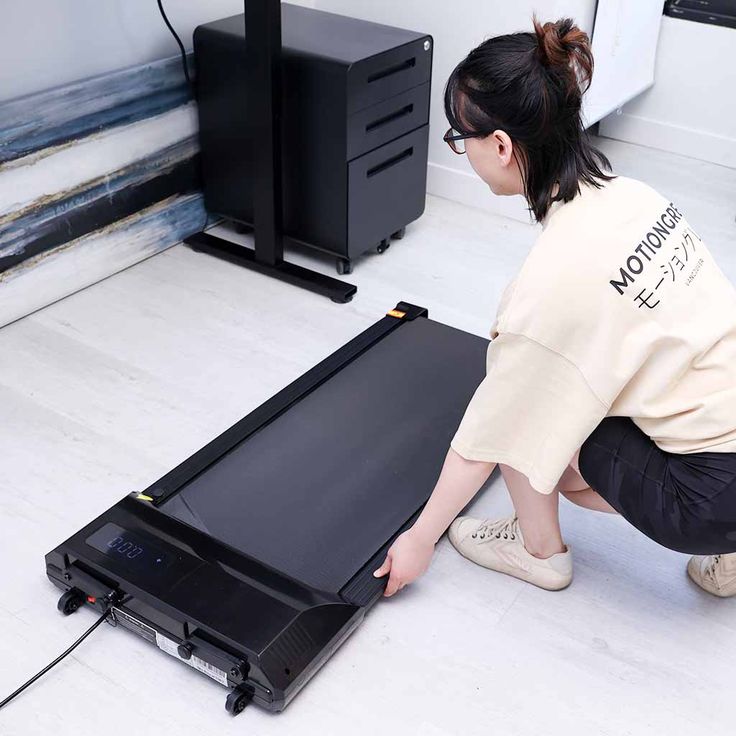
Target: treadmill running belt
{"x": 318, "y": 491}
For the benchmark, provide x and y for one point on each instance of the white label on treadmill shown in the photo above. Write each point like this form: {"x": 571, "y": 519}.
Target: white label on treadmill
{"x": 133, "y": 624}
{"x": 171, "y": 647}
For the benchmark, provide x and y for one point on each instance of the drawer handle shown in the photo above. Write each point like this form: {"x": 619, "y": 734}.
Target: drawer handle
{"x": 388, "y": 163}
{"x": 389, "y": 118}
{"x": 408, "y": 64}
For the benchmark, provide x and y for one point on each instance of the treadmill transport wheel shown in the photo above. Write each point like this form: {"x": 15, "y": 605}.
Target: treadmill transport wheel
{"x": 70, "y": 602}
{"x": 237, "y": 700}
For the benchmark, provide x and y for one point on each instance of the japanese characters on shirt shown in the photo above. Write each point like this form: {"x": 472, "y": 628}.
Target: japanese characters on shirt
{"x": 667, "y": 254}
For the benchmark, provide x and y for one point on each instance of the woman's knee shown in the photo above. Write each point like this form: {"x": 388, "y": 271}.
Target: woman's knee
{"x": 571, "y": 481}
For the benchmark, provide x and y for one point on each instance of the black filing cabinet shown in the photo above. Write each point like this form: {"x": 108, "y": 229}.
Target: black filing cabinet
{"x": 354, "y": 128}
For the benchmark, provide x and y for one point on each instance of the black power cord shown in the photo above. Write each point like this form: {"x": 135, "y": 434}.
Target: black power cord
{"x": 33, "y": 679}
{"x": 181, "y": 46}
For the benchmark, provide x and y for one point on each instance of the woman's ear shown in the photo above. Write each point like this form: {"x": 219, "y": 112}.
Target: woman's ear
{"x": 503, "y": 145}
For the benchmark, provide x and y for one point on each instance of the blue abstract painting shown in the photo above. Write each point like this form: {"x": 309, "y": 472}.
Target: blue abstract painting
{"x": 94, "y": 176}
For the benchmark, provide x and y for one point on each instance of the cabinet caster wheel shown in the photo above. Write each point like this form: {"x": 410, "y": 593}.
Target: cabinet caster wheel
{"x": 342, "y": 301}
{"x": 237, "y": 700}
{"x": 344, "y": 266}
{"x": 383, "y": 246}
{"x": 70, "y": 602}
{"x": 399, "y": 234}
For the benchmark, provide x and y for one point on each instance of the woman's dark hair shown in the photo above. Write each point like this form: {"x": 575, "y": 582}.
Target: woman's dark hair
{"x": 530, "y": 85}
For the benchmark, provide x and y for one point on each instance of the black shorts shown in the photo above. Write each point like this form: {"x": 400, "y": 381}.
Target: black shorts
{"x": 686, "y": 502}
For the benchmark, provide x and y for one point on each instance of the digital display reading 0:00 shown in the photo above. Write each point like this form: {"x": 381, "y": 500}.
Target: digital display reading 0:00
{"x": 127, "y": 547}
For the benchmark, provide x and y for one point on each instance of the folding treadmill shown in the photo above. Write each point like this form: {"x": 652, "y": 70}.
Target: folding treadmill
{"x": 253, "y": 560}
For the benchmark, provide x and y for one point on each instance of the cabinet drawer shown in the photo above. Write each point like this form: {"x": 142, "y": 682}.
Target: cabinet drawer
{"x": 378, "y": 124}
{"x": 388, "y": 74}
{"x": 386, "y": 190}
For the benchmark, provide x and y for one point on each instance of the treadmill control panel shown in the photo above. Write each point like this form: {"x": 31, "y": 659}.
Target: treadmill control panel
{"x": 128, "y": 548}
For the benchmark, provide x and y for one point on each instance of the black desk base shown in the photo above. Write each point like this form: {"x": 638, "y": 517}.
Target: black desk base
{"x": 241, "y": 255}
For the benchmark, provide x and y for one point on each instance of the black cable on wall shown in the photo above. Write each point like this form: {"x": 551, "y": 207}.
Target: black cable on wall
{"x": 182, "y": 50}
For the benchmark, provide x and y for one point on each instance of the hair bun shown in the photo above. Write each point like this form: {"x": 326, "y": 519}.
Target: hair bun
{"x": 562, "y": 45}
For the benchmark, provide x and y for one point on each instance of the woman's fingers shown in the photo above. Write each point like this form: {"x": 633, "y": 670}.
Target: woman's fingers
{"x": 386, "y": 567}
{"x": 394, "y": 584}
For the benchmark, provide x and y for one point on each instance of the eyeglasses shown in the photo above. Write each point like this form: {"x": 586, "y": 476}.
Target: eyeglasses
{"x": 456, "y": 140}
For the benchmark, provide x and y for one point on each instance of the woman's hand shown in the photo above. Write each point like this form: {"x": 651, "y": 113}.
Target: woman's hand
{"x": 407, "y": 559}
{"x": 411, "y": 552}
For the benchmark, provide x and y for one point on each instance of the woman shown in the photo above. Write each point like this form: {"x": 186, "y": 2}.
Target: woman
{"x": 611, "y": 378}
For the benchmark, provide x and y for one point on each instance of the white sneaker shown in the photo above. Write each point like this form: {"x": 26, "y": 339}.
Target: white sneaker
{"x": 499, "y": 545}
{"x": 714, "y": 573}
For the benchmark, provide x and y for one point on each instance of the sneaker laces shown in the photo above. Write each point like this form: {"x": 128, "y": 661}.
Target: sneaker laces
{"x": 502, "y": 528}
{"x": 710, "y": 570}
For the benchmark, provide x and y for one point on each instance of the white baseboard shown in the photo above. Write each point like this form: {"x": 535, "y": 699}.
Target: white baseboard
{"x": 689, "y": 142}
{"x": 466, "y": 188}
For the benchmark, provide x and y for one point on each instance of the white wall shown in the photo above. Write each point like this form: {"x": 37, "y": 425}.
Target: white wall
{"x": 457, "y": 27}
{"x": 46, "y": 43}
{"x": 624, "y": 48}
{"x": 691, "y": 109}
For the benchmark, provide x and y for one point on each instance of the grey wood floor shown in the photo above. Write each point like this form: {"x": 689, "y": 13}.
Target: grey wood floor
{"x": 103, "y": 392}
